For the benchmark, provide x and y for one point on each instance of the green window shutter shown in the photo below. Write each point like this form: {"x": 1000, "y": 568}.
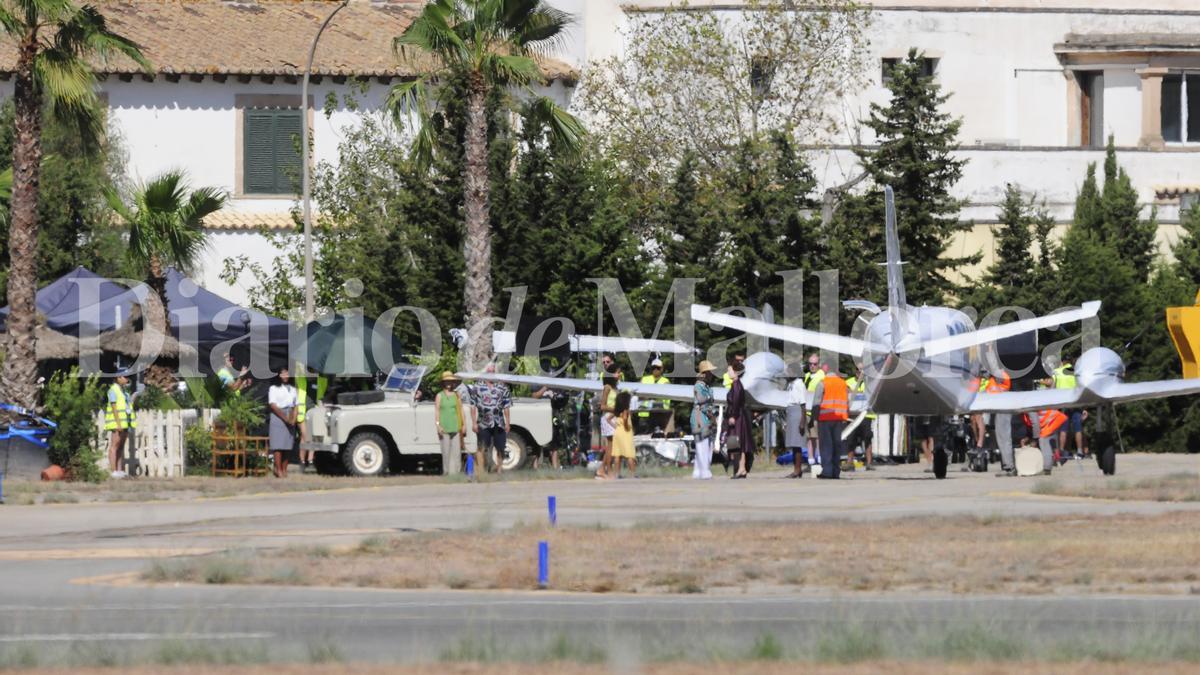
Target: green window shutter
{"x": 270, "y": 155}
{"x": 287, "y": 151}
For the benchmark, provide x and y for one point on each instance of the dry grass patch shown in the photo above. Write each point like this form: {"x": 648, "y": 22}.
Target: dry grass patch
{"x": 725, "y": 668}
{"x": 1176, "y": 487}
{"x": 27, "y": 492}
{"x": 1159, "y": 554}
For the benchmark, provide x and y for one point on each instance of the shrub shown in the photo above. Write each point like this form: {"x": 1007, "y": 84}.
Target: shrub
{"x": 72, "y": 401}
{"x": 241, "y": 412}
{"x": 153, "y": 398}
{"x": 198, "y": 442}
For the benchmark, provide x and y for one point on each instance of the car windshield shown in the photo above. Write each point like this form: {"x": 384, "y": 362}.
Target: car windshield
{"x": 404, "y": 378}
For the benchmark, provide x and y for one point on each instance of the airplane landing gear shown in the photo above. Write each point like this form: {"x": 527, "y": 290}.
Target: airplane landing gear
{"x": 1103, "y": 445}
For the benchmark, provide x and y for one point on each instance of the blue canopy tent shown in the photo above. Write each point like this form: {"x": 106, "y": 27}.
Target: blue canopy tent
{"x": 199, "y": 318}
{"x": 66, "y": 294}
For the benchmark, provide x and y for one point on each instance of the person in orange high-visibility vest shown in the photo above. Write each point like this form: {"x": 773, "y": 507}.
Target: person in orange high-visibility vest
{"x": 999, "y": 382}
{"x": 1049, "y": 422}
{"x": 831, "y": 402}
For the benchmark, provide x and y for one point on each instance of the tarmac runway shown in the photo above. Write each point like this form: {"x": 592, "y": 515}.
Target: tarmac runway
{"x": 51, "y": 556}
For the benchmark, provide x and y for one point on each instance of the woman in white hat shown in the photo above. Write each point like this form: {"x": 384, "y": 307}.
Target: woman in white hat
{"x": 704, "y": 421}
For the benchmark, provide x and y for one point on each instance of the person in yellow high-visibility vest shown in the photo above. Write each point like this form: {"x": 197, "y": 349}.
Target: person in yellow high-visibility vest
{"x": 863, "y": 434}
{"x": 1064, "y": 378}
{"x": 118, "y": 420}
{"x": 656, "y": 412}
{"x": 812, "y": 378}
{"x": 306, "y": 456}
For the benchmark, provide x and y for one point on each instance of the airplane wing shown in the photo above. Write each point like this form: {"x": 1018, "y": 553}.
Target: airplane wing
{"x": 812, "y": 338}
{"x": 671, "y": 392}
{"x": 1100, "y": 393}
{"x": 994, "y": 333}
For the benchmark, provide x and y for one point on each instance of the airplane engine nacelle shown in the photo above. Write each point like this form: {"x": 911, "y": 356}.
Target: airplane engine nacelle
{"x": 1099, "y": 363}
{"x": 764, "y": 366}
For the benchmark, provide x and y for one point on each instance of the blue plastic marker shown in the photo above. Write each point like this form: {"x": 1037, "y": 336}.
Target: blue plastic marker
{"x": 552, "y": 505}
{"x": 470, "y": 466}
{"x": 543, "y": 564}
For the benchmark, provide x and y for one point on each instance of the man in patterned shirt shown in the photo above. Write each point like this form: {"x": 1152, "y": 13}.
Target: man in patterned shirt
{"x": 490, "y": 409}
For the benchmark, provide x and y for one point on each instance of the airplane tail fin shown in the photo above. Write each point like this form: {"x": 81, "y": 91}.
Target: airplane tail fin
{"x": 895, "y": 275}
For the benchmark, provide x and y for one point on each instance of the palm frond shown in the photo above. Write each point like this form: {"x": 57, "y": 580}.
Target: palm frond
{"x": 543, "y": 31}
{"x": 431, "y": 32}
{"x": 203, "y": 202}
{"x": 37, "y": 12}
{"x": 86, "y": 33}
{"x": 166, "y": 221}
{"x": 163, "y": 194}
{"x": 64, "y": 77}
{"x": 502, "y": 69}
{"x": 6, "y": 183}
{"x": 408, "y": 106}
{"x": 10, "y": 22}
{"x": 565, "y": 130}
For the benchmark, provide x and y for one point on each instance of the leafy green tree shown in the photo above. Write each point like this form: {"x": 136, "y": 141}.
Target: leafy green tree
{"x": 165, "y": 222}
{"x": 689, "y": 81}
{"x": 916, "y": 140}
{"x": 56, "y": 43}
{"x": 487, "y": 45}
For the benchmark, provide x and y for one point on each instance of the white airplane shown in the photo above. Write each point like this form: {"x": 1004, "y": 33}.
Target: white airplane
{"x": 922, "y": 360}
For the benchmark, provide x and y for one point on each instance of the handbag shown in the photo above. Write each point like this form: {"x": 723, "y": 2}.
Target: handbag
{"x": 733, "y": 441}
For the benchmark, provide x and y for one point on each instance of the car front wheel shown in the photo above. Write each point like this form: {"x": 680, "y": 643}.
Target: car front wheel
{"x": 518, "y": 452}
{"x": 366, "y": 454}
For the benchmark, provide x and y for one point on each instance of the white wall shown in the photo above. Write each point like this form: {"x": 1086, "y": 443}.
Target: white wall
{"x": 1006, "y": 82}
{"x": 192, "y": 125}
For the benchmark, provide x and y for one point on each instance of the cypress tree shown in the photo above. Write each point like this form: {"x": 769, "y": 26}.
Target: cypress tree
{"x": 916, "y": 140}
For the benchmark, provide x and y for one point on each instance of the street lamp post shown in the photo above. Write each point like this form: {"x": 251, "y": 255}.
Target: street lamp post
{"x": 305, "y": 182}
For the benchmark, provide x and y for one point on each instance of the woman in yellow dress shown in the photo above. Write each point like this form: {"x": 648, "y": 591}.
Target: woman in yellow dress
{"x": 622, "y": 441}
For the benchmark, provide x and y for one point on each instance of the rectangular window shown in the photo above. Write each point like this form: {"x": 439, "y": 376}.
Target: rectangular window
{"x": 270, "y": 150}
{"x": 928, "y": 67}
{"x": 1091, "y": 108}
{"x": 1180, "y": 108}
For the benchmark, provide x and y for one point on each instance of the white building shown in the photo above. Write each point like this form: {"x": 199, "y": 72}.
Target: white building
{"x": 1039, "y": 85}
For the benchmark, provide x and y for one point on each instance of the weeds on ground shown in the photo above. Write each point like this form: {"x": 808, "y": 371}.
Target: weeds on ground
{"x": 766, "y": 648}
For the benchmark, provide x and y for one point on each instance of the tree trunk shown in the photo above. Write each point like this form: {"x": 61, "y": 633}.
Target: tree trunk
{"x": 19, "y": 379}
{"x": 478, "y": 241}
{"x": 159, "y": 319}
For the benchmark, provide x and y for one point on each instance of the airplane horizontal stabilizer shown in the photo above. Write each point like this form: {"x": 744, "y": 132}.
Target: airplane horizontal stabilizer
{"x": 1025, "y": 401}
{"x": 1111, "y": 391}
{"x": 812, "y": 338}
{"x": 994, "y": 333}
{"x": 1101, "y": 393}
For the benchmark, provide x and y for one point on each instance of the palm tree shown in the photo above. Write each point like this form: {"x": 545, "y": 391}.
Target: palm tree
{"x": 165, "y": 229}
{"x": 486, "y": 44}
{"x": 55, "y": 41}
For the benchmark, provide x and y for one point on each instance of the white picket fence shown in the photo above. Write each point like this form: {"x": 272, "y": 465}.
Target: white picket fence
{"x": 156, "y": 448}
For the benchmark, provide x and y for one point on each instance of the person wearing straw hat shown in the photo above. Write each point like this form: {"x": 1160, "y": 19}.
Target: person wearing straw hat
{"x": 451, "y": 424}
{"x": 704, "y": 421}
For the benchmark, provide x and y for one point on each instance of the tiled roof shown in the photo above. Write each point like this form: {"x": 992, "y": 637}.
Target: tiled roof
{"x": 227, "y": 219}
{"x": 262, "y": 37}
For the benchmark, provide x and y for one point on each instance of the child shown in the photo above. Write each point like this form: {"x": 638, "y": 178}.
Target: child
{"x": 622, "y": 440}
